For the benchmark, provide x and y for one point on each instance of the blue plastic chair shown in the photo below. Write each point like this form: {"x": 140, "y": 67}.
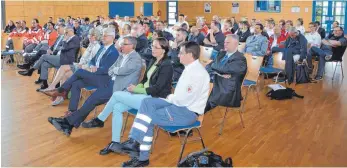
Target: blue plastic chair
{"x": 278, "y": 66}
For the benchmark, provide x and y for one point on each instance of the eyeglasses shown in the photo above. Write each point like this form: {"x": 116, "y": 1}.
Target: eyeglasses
{"x": 154, "y": 47}
{"x": 125, "y": 44}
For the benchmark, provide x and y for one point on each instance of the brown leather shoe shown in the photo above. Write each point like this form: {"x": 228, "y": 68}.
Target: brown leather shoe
{"x": 54, "y": 93}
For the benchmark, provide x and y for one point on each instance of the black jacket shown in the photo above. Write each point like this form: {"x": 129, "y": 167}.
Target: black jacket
{"x": 69, "y": 51}
{"x": 142, "y": 44}
{"x": 160, "y": 80}
{"x": 227, "y": 92}
{"x": 321, "y": 32}
{"x": 243, "y": 35}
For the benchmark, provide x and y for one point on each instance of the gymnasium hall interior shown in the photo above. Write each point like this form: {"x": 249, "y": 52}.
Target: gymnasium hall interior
{"x": 256, "y": 83}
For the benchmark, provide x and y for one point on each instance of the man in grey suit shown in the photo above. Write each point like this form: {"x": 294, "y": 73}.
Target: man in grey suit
{"x": 125, "y": 71}
{"x": 66, "y": 56}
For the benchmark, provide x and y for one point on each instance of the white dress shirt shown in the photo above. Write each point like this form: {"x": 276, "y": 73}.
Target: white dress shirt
{"x": 301, "y": 29}
{"x": 192, "y": 88}
{"x": 314, "y": 39}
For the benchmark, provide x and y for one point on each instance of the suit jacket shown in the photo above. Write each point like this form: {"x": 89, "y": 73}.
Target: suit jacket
{"x": 59, "y": 45}
{"x": 107, "y": 60}
{"x": 227, "y": 92}
{"x": 161, "y": 78}
{"x": 128, "y": 74}
{"x": 321, "y": 32}
{"x": 69, "y": 51}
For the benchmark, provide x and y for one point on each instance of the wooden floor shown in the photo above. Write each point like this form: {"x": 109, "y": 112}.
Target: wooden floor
{"x": 308, "y": 132}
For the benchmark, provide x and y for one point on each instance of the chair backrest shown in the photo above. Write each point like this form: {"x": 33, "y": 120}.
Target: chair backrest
{"x": 143, "y": 70}
{"x": 4, "y": 38}
{"x": 241, "y": 47}
{"x": 205, "y": 53}
{"x": 201, "y": 117}
{"x": 17, "y": 43}
{"x": 253, "y": 67}
{"x": 278, "y": 62}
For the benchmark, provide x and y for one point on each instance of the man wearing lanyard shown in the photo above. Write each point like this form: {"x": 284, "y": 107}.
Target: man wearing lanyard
{"x": 230, "y": 68}
{"x": 180, "y": 108}
{"x": 123, "y": 72}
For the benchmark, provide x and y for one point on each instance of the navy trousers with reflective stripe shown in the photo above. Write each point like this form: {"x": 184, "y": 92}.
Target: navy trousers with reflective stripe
{"x": 156, "y": 111}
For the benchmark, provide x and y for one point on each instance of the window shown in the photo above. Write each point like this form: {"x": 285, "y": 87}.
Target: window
{"x": 267, "y": 6}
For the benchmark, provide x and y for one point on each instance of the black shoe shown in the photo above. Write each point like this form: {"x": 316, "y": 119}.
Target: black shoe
{"x": 57, "y": 86}
{"x": 93, "y": 123}
{"x": 38, "y": 81}
{"x": 112, "y": 147}
{"x": 182, "y": 133}
{"x": 24, "y": 66}
{"x": 135, "y": 162}
{"x": 43, "y": 86}
{"x": 62, "y": 126}
{"x": 50, "y": 119}
{"x": 131, "y": 147}
{"x": 26, "y": 73}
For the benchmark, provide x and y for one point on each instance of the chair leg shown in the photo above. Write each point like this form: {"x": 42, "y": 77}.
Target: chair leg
{"x": 241, "y": 118}
{"x": 257, "y": 95}
{"x": 125, "y": 124}
{"x": 222, "y": 123}
{"x": 244, "y": 101}
{"x": 335, "y": 70}
{"x": 277, "y": 77}
{"x": 202, "y": 141}
{"x": 183, "y": 146}
{"x": 342, "y": 70}
{"x": 155, "y": 136}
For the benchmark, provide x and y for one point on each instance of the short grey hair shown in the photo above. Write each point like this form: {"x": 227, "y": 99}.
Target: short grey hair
{"x": 96, "y": 33}
{"x": 109, "y": 31}
{"x": 292, "y": 30}
{"x": 233, "y": 36}
{"x": 132, "y": 40}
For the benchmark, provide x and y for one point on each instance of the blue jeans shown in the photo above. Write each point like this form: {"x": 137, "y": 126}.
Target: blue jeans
{"x": 120, "y": 102}
{"x": 315, "y": 51}
{"x": 156, "y": 111}
{"x": 6, "y": 53}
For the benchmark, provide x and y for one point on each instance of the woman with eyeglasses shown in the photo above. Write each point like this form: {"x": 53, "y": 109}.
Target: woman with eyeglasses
{"x": 65, "y": 71}
{"x": 156, "y": 83}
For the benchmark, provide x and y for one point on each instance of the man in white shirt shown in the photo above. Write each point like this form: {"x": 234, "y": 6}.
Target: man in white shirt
{"x": 181, "y": 20}
{"x": 313, "y": 38}
{"x": 178, "y": 109}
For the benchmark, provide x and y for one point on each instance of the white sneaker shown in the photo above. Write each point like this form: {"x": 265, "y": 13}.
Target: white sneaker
{"x": 328, "y": 57}
{"x": 57, "y": 101}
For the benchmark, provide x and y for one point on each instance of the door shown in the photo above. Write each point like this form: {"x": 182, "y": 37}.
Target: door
{"x": 172, "y": 12}
{"x": 329, "y": 11}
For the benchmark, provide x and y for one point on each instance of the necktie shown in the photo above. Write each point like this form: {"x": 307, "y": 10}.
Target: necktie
{"x": 225, "y": 58}
{"x": 100, "y": 56}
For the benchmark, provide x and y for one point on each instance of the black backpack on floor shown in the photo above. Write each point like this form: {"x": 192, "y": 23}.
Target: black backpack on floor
{"x": 283, "y": 94}
{"x": 302, "y": 74}
{"x": 205, "y": 158}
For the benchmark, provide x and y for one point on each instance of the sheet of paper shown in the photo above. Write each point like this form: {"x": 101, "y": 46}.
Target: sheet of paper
{"x": 276, "y": 87}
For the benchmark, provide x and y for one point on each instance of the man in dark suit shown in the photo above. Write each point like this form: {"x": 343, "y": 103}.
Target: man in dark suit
{"x": 96, "y": 76}
{"x": 320, "y": 30}
{"x": 230, "y": 69}
{"x": 66, "y": 56}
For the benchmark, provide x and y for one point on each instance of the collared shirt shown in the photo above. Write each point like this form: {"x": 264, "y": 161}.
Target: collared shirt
{"x": 101, "y": 55}
{"x": 61, "y": 37}
{"x": 192, "y": 88}
{"x": 314, "y": 39}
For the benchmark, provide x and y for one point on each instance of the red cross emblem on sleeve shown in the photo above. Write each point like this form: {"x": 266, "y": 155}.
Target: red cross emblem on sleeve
{"x": 189, "y": 89}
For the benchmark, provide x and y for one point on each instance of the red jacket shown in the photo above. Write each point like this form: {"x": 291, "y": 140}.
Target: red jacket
{"x": 280, "y": 39}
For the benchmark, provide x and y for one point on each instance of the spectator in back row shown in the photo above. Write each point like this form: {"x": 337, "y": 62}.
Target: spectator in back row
{"x": 320, "y": 30}
{"x": 244, "y": 31}
{"x": 215, "y": 37}
{"x": 196, "y": 36}
{"x": 257, "y": 44}
{"x": 181, "y": 38}
{"x": 9, "y": 27}
{"x": 300, "y": 25}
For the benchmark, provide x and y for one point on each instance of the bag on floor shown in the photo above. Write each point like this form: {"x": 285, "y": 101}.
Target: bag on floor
{"x": 205, "y": 158}
{"x": 282, "y": 94}
{"x": 302, "y": 74}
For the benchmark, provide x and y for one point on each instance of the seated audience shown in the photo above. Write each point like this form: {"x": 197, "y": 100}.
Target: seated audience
{"x": 257, "y": 44}
{"x": 331, "y": 33}
{"x": 215, "y": 37}
{"x": 300, "y": 25}
{"x": 181, "y": 21}
{"x": 182, "y": 107}
{"x": 276, "y": 40}
{"x": 167, "y": 35}
{"x": 181, "y": 38}
{"x": 270, "y": 28}
{"x": 9, "y": 27}
{"x": 320, "y": 30}
{"x": 77, "y": 28}
{"x": 65, "y": 71}
{"x": 312, "y": 37}
{"x": 232, "y": 65}
{"x": 244, "y": 31}
{"x": 66, "y": 56}
{"x": 106, "y": 74}
{"x": 234, "y": 24}
{"x": 156, "y": 83}
{"x": 228, "y": 28}
{"x": 288, "y": 25}
{"x": 332, "y": 49}
{"x": 295, "y": 50}
{"x": 196, "y": 36}
{"x": 142, "y": 41}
